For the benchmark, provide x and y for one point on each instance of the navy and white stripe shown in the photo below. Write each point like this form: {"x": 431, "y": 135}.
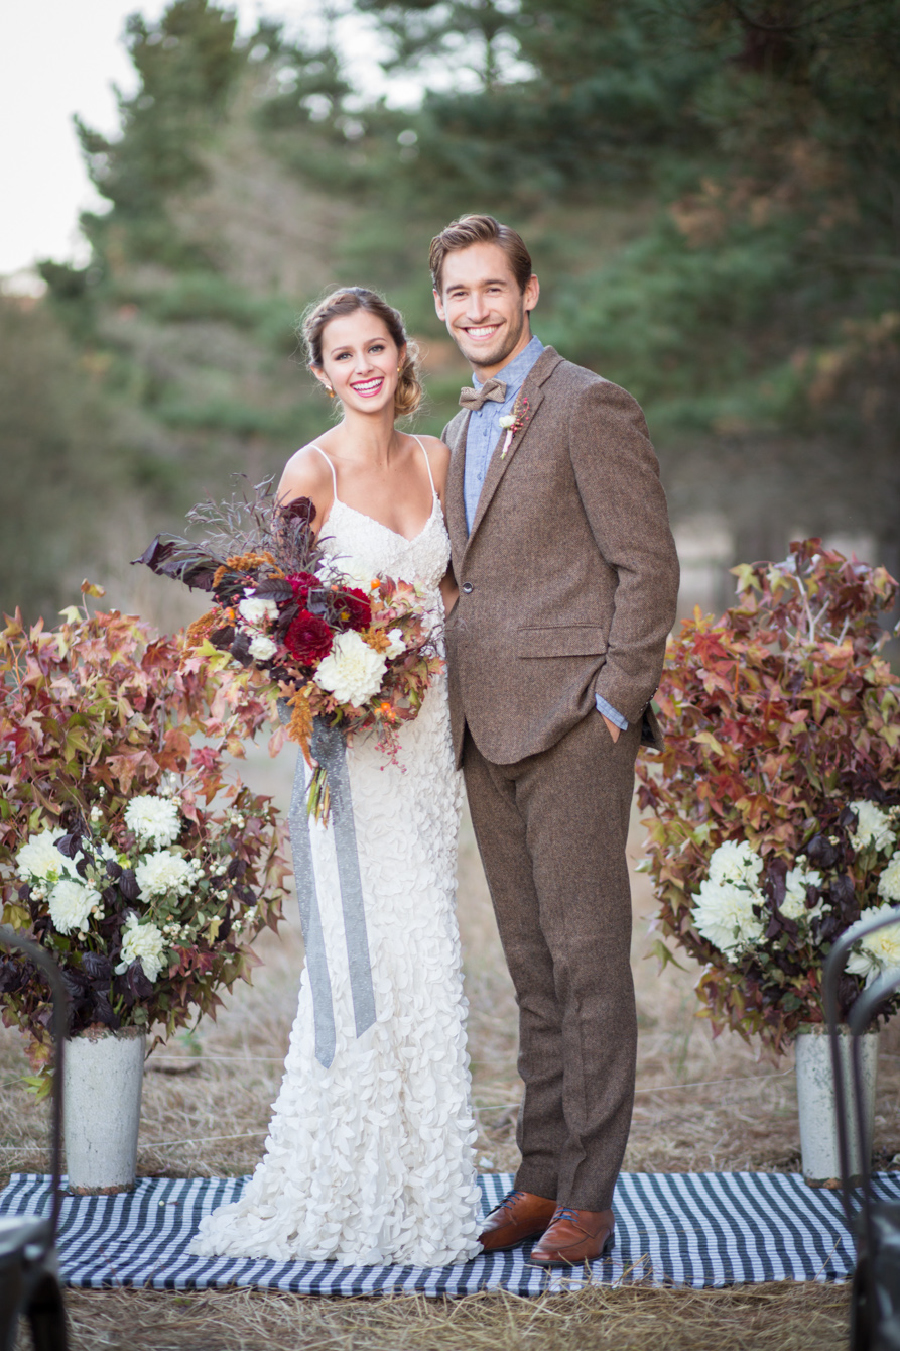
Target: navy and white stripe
{"x": 697, "y": 1229}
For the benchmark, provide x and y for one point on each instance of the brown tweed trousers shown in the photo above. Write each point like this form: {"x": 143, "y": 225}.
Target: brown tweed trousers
{"x": 568, "y": 586}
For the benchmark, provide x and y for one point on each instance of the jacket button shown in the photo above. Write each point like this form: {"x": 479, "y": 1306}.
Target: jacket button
{"x": 468, "y": 587}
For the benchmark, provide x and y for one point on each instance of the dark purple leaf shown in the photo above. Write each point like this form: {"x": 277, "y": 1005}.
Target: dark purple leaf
{"x": 128, "y": 885}
{"x": 96, "y": 966}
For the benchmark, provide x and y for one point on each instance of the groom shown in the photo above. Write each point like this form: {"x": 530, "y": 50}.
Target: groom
{"x": 568, "y": 579}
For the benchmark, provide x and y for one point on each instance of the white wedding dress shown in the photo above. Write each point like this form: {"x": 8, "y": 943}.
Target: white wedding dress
{"x": 371, "y": 1159}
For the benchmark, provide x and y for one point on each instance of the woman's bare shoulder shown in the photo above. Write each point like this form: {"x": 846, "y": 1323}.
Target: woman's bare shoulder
{"x": 438, "y": 453}
{"x": 306, "y": 474}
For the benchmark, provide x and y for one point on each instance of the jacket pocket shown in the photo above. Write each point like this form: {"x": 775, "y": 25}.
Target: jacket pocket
{"x": 570, "y": 640}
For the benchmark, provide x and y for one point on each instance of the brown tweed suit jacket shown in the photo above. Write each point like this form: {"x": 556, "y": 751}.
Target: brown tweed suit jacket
{"x": 569, "y": 577}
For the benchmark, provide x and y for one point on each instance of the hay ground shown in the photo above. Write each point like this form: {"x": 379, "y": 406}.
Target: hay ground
{"x": 700, "y": 1105}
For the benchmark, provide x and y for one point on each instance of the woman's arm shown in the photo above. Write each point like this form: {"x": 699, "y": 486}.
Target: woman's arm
{"x": 439, "y": 461}
{"x": 306, "y": 474}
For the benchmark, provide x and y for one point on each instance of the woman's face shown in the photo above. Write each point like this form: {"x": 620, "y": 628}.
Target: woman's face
{"x": 360, "y": 361}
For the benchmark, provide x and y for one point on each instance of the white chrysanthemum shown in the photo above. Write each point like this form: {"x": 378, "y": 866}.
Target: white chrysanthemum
{"x": 795, "y": 884}
{"x": 878, "y": 952}
{"x": 164, "y": 874}
{"x": 735, "y": 861}
{"x": 39, "y": 860}
{"x": 874, "y": 827}
{"x": 397, "y": 647}
{"x": 352, "y": 671}
{"x": 262, "y": 648}
{"x": 257, "y": 611}
{"x": 889, "y": 881}
{"x": 154, "y": 820}
{"x": 70, "y": 904}
{"x": 143, "y": 943}
{"x": 723, "y": 913}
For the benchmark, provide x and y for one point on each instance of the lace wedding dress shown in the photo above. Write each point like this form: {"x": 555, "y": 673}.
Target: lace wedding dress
{"x": 370, "y": 1160}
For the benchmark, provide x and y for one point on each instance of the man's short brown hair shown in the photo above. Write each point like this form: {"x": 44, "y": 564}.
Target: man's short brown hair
{"x": 469, "y": 230}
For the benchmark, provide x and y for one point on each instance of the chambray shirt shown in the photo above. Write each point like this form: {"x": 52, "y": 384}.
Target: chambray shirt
{"x": 481, "y": 440}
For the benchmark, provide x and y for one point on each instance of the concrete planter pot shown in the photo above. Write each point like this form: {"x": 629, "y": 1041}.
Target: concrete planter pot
{"x": 819, "y": 1148}
{"x": 104, "y": 1076}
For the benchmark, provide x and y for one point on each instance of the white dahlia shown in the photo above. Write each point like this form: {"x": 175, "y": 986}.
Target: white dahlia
{"x": 39, "y": 860}
{"x": 143, "y": 943}
{"x": 798, "y": 879}
{"x": 352, "y": 671}
{"x": 878, "y": 952}
{"x": 164, "y": 874}
{"x": 257, "y": 611}
{"x": 735, "y": 861}
{"x": 154, "y": 820}
{"x": 873, "y": 829}
{"x": 723, "y": 914}
{"x": 262, "y": 648}
{"x": 889, "y": 881}
{"x": 70, "y": 904}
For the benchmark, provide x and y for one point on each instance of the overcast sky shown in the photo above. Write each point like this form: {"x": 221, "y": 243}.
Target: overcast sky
{"x": 60, "y": 57}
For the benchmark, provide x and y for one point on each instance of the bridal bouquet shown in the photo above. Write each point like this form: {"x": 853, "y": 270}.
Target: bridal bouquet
{"x": 775, "y": 807}
{"x": 325, "y": 637}
{"x": 129, "y": 848}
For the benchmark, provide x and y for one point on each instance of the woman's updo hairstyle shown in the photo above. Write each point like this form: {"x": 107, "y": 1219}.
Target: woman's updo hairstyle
{"x": 349, "y": 299}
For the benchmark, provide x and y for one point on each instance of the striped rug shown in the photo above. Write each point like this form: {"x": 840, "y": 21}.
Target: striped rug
{"x": 697, "y": 1229}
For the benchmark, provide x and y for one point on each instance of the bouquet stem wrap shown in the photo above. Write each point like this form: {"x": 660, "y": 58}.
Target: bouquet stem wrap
{"x": 329, "y": 749}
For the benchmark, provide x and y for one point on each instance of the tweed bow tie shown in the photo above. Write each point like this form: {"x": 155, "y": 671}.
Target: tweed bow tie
{"x": 492, "y": 391}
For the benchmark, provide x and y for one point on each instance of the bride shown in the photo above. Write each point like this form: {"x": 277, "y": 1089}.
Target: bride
{"x": 370, "y": 1159}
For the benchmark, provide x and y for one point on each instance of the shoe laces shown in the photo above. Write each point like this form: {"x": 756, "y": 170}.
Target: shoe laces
{"x": 565, "y": 1213}
{"x": 510, "y": 1199}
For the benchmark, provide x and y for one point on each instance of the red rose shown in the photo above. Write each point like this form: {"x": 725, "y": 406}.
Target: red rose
{"x": 356, "y": 608}
{"x": 301, "y": 585}
{"x": 308, "y": 638}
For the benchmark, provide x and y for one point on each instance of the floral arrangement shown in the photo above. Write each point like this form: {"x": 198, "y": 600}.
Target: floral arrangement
{"x": 775, "y": 807}
{"x": 125, "y": 849}
{"x": 328, "y": 638}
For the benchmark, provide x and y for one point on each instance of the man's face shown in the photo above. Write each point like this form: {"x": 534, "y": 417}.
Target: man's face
{"x": 485, "y": 312}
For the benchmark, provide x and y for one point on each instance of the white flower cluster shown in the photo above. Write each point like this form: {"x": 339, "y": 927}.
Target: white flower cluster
{"x": 256, "y": 611}
{"x": 723, "y": 912}
{"x": 889, "y": 881}
{"x": 350, "y": 572}
{"x": 798, "y": 879}
{"x": 874, "y": 827}
{"x": 878, "y": 952}
{"x": 352, "y": 671}
{"x": 39, "y": 860}
{"x": 143, "y": 943}
{"x": 153, "y": 819}
{"x": 70, "y": 904}
{"x": 164, "y": 874}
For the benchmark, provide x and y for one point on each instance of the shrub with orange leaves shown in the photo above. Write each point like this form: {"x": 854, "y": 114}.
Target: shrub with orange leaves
{"x": 128, "y": 847}
{"x": 782, "y": 737}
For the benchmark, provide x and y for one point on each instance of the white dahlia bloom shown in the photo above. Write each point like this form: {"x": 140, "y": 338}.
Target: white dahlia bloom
{"x": 723, "y": 914}
{"x": 798, "y": 879}
{"x": 350, "y": 571}
{"x": 352, "y": 671}
{"x": 878, "y": 952}
{"x": 735, "y": 861}
{"x": 70, "y": 904}
{"x": 874, "y": 827}
{"x": 262, "y": 648}
{"x": 39, "y": 860}
{"x": 889, "y": 882}
{"x": 257, "y": 611}
{"x": 154, "y": 820}
{"x": 162, "y": 874}
{"x": 143, "y": 943}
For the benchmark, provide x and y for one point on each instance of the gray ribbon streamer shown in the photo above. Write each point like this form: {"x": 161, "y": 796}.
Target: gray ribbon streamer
{"x": 330, "y": 750}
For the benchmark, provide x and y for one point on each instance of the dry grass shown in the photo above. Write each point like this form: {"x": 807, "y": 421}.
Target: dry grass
{"x": 212, "y": 1121}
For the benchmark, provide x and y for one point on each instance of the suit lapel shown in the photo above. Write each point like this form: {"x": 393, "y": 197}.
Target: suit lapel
{"x": 456, "y": 490}
{"x": 532, "y": 391}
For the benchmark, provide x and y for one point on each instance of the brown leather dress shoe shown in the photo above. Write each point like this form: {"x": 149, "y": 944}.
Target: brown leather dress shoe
{"x": 575, "y": 1236}
{"x": 520, "y": 1215}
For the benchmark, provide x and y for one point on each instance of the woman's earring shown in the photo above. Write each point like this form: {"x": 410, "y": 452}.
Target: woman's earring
{"x": 399, "y": 370}
{"x": 330, "y": 391}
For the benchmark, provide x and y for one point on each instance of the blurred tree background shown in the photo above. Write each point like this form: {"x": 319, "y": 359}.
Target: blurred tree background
{"x": 711, "y": 192}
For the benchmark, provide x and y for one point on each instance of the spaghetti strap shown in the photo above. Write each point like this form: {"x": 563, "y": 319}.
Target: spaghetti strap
{"x": 427, "y": 465}
{"x": 313, "y": 446}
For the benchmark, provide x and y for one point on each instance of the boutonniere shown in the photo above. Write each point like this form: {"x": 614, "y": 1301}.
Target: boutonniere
{"x": 513, "y": 422}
